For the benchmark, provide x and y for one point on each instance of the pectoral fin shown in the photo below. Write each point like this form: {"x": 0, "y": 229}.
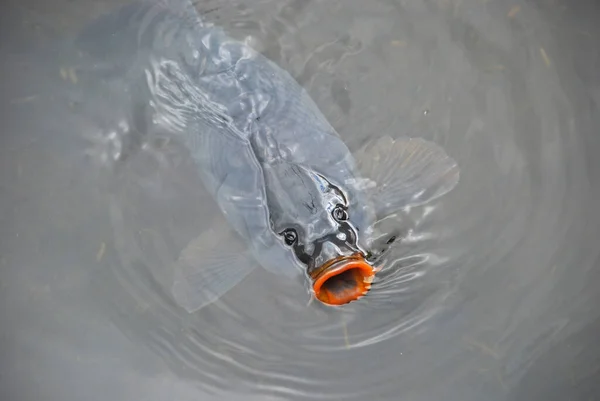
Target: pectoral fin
{"x": 406, "y": 172}
{"x": 211, "y": 265}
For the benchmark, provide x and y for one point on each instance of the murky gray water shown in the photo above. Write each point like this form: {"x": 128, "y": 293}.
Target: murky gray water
{"x": 492, "y": 296}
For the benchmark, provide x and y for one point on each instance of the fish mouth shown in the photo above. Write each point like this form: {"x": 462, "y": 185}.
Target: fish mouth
{"x": 342, "y": 280}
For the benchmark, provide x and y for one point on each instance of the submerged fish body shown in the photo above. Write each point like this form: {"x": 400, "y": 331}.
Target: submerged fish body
{"x": 263, "y": 147}
{"x": 285, "y": 181}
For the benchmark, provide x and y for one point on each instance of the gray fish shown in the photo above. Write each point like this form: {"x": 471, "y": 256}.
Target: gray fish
{"x": 286, "y": 183}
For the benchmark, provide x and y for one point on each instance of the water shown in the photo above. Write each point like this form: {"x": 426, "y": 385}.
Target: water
{"x": 492, "y": 295}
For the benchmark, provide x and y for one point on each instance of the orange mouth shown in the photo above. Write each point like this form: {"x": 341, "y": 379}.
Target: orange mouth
{"x": 342, "y": 280}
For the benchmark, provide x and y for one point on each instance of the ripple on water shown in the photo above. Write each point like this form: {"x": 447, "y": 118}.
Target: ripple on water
{"x": 480, "y": 249}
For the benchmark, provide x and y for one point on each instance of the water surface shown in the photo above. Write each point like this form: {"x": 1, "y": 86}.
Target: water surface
{"x": 491, "y": 295}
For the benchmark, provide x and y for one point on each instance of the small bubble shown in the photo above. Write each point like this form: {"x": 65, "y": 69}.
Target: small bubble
{"x": 426, "y": 112}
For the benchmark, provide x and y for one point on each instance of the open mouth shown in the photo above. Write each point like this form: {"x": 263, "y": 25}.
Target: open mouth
{"x": 342, "y": 280}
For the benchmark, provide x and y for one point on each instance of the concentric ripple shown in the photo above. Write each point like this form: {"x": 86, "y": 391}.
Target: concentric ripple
{"x": 494, "y": 102}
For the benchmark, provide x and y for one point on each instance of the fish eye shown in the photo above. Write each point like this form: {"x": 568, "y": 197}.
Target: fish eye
{"x": 290, "y": 236}
{"x": 340, "y": 213}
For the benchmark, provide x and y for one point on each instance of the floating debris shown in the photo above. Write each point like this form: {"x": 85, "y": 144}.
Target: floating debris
{"x": 100, "y": 253}
{"x": 68, "y": 74}
{"x": 346, "y": 338}
{"x": 24, "y": 99}
{"x": 482, "y": 347}
{"x": 513, "y": 11}
{"x": 545, "y": 56}
{"x": 73, "y": 76}
{"x": 398, "y": 43}
{"x": 495, "y": 67}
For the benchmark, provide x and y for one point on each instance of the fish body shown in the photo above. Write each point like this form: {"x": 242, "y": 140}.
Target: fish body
{"x": 283, "y": 178}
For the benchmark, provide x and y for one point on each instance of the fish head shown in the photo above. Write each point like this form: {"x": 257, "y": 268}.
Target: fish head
{"x": 325, "y": 225}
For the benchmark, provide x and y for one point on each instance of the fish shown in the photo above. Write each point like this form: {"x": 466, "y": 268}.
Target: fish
{"x": 294, "y": 199}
